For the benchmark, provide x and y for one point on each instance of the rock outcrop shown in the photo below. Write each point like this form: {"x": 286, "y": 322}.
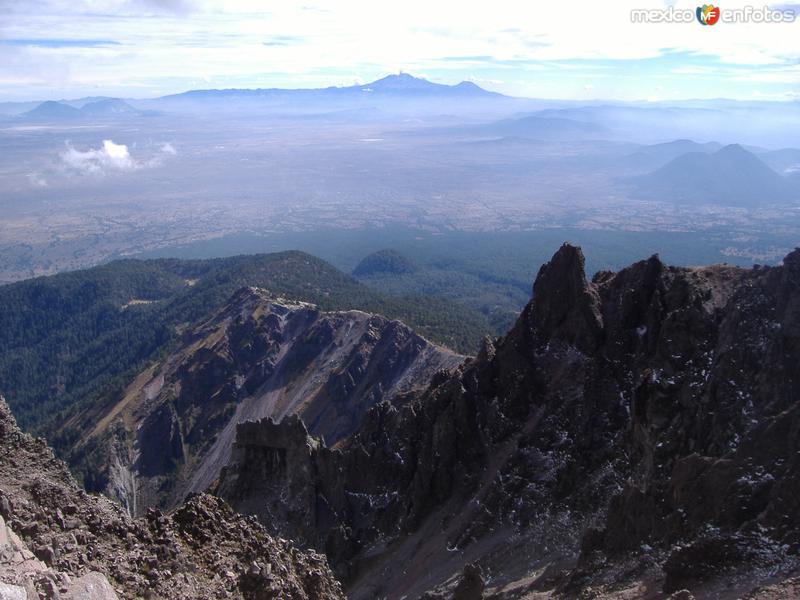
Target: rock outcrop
{"x": 631, "y": 433}
{"x": 57, "y": 541}
{"x": 172, "y": 429}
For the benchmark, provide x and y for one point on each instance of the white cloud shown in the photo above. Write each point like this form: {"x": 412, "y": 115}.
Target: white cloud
{"x": 109, "y": 157}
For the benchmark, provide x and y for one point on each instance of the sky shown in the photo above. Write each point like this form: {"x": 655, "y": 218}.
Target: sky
{"x": 51, "y": 49}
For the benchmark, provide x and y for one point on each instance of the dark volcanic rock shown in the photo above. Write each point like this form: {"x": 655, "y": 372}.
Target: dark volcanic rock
{"x": 275, "y": 486}
{"x": 623, "y": 428}
{"x": 87, "y": 547}
{"x": 471, "y": 585}
{"x": 567, "y": 307}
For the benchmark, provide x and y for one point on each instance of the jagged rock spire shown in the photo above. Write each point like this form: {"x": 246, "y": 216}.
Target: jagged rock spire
{"x": 566, "y": 305}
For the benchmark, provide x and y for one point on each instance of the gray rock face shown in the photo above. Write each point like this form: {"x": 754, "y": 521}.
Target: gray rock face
{"x": 173, "y": 429}
{"x": 92, "y": 586}
{"x": 12, "y": 592}
{"x": 640, "y": 425}
{"x": 282, "y": 454}
{"x": 56, "y": 541}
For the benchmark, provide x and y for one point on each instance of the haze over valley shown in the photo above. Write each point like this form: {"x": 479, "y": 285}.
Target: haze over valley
{"x": 91, "y": 180}
{"x": 399, "y": 301}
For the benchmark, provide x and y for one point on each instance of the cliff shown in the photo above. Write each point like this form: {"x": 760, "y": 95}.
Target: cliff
{"x": 631, "y": 435}
{"x": 171, "y": 430}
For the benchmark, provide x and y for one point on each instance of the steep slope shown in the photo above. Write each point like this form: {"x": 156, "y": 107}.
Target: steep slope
{"x": 58, "y": 542}
{"x": 630, "y": 434}
{"x": 732, "y": 176}
{"x": 110, "y": 322}
{"x": 172, "y": 429}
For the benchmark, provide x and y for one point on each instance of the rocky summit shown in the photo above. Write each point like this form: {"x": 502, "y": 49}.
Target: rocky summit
{"x": 58, "y": 542}
{"x": 171, "y": 430}
{"x": 632, "y": 436}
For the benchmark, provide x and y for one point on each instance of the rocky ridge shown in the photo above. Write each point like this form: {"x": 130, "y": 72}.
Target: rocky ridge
{"x": 171, "y": 431}
{"x": 57, "y": 541}
{"x": 631, "y": 436}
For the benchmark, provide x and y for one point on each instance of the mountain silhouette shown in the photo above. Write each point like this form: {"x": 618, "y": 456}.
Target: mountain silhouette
{"x": 732, "y": 176}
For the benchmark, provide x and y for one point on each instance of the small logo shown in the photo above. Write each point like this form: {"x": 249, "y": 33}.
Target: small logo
{"x": 708, "y": 14}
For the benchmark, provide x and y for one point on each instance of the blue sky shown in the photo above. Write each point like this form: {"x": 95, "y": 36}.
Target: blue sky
{"x": 580, "y": 50}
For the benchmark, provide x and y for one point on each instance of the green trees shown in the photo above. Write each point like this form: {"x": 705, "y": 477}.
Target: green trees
{"x": 384, "y": 261}
{"x": 77, "y": 338}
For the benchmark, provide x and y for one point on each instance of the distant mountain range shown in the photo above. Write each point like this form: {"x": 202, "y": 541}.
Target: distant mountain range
{"x": 395, "y": 93}
{"x": 100, "y": 109}
{"x": 731, "y": 176}
{"x": 709, "y": 120}
{"x": 391, "y": 85}
{"x": 402, "y": 88}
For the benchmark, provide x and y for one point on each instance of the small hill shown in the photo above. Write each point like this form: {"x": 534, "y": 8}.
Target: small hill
{"x": 732, "y": 176}
{"x": 384, "y": 262}
{"x": 111, "y": 107}
{"x": 52, "y": 111}
{"x": 539, "y": 128}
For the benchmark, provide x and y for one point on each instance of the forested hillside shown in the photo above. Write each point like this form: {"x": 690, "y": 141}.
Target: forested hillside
{"x": 65, "y": 340}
